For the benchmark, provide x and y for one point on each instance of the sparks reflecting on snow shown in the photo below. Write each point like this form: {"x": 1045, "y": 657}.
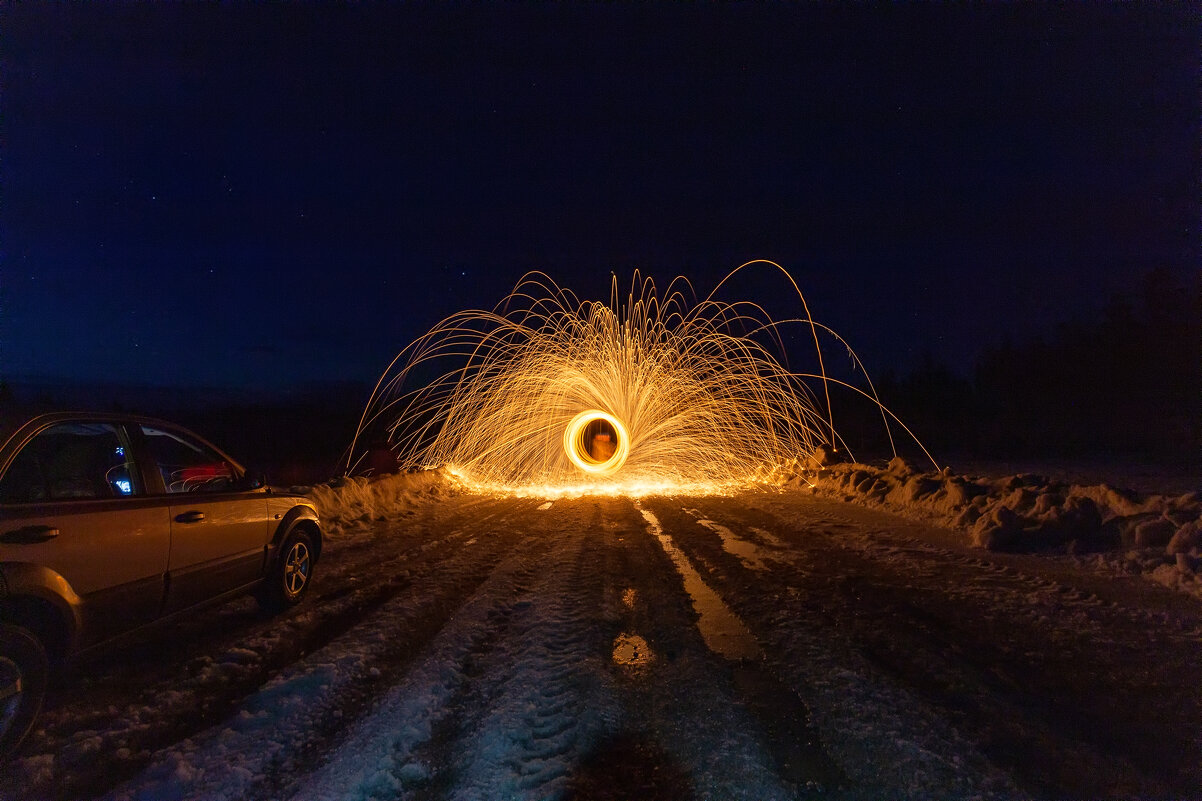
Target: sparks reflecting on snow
{"x": 550, "y": 396}
{"x": 724, "y": 632}
{"x": 631, "y": 651}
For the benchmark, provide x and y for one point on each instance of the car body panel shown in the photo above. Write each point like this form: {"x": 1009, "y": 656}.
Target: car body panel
{"x": 111, "y": 565}
{"x": 111, "y": 553}
{"x": 222, "y": 551}
{"x": 99, "y": 544}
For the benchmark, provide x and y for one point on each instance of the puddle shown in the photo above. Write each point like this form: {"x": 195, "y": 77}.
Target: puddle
{"x": 750, "y": 554}
{"x": 721, "y": 628}
{"x": 632, "y": 651}
{"x": 747, "y": 552}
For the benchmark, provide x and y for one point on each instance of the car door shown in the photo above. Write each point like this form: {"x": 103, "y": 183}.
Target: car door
{"x": 73, "y": 505}
{"x": 219, "y": 535}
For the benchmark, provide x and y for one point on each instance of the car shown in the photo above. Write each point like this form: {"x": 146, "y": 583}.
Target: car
{"x": 110, "y": 523}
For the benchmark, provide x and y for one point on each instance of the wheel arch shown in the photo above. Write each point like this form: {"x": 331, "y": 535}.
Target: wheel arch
{"x": 36, "y": 598}
{"x": 303, "y": 518}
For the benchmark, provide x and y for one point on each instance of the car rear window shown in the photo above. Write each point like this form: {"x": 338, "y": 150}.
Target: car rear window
{"x": 72, "y": 461}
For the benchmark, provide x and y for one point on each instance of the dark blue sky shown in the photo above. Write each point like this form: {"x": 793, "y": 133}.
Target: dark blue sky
{"x": 259, "y": 196}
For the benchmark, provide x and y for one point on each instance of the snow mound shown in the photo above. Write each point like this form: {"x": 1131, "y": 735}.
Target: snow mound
{"x": 345, "y": 502}
{"x": 1028, "y": 513}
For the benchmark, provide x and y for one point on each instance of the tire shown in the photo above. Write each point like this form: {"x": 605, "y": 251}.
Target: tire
{"x": 291, "y": 575}
{"x": 24, "y": 675}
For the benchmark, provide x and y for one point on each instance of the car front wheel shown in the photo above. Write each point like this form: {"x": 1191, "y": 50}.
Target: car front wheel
{"x": 290, "y": 576}
{"x": 24, "y": 673}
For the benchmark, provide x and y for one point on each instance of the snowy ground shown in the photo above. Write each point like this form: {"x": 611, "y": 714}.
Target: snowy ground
{"x": 770, "y": 645}
{"x": 1109, "y": 526}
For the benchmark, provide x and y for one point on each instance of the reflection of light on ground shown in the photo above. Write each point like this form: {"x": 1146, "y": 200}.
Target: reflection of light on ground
{"x": 631, "y": 489}
{"x": 748, "y": 553}
{"x": 630, "y": 597}
{"x": 632, "y": 651}
{"x": 724, "y": 633}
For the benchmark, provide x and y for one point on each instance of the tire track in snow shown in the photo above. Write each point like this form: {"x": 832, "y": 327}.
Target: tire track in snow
{"x": 724, "y": 633}
{"x": 1016, "y": 659}
{"x": 276, "y": 731}
{"x": 1050, "y": 585}
{"x": 499, "y": 705}
{"x": 543, "y": 698}
{"x": 686, "y": 702}
{"x": 888, "y": 744}
{"x": 1053, "y": 645}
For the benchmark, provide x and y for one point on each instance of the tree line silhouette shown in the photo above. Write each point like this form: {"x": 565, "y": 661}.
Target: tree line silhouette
{"x": 1126, "y": 385}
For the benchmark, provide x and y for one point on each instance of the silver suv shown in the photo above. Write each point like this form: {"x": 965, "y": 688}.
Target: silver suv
{"x": 109, "y": 523}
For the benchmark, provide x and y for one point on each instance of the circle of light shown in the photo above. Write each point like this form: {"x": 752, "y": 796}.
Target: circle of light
{"x": 573, "y": 443}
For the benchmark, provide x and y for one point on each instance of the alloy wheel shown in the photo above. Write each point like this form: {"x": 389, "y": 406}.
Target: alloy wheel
{"x": 296, "y": 568}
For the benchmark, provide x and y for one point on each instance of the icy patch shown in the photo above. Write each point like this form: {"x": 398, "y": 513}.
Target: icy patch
{"x": 724, "y": 633}
{"x": 746, "y": 552}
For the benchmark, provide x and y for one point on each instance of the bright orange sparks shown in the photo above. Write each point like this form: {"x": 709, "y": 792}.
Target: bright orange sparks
{"x": 548, "y": 395}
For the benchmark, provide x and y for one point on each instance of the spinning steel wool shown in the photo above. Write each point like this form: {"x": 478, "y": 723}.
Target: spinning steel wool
{"x": 548, "y": 395}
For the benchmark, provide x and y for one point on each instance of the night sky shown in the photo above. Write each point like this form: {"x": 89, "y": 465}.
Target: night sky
{"x": 261, "y": 197}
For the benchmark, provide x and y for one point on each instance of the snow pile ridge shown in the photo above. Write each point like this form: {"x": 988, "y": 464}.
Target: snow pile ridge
{"x": 353, "y": 499}
{"x": 1027, "y": 512}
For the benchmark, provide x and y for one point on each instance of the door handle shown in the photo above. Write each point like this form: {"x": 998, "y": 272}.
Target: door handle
{"x": 29, "y": 535}
{"x": 190, "y": 517}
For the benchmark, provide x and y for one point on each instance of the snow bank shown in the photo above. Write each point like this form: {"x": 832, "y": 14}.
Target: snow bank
{"x": 1028, "y": 512}
{"x": 344, "y": 502}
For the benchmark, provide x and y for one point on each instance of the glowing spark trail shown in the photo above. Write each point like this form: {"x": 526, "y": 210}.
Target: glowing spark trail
{"x": 549, "y": 395}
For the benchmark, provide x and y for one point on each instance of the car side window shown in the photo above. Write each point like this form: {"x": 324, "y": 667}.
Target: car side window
{"x": 185, "y": 464}
{"x": 78, "y": 460}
